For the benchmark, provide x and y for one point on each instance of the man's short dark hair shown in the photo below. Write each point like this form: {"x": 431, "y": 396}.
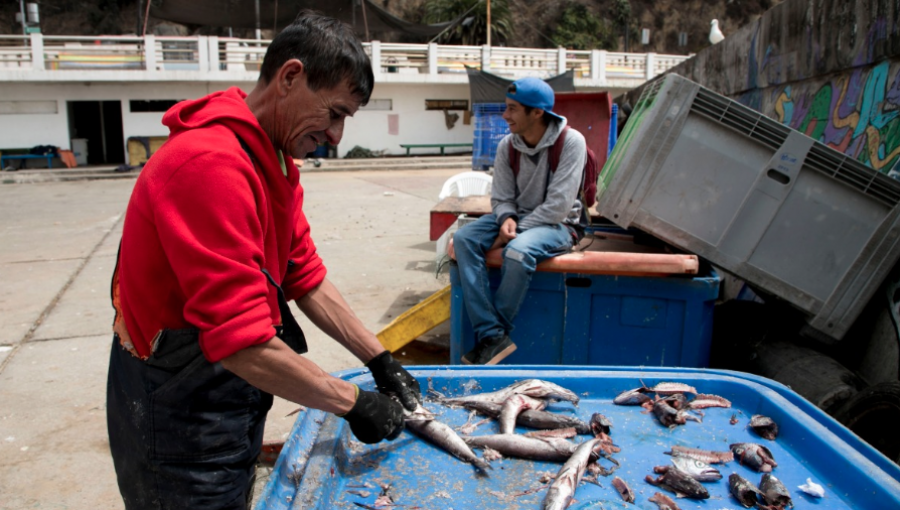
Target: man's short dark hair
{"x": 329, "y": 50}
{"x": 546, "y": 117}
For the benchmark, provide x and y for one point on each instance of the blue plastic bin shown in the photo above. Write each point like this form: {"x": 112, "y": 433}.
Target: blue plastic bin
{"x": 602, "y": 320}
{"x": 320, "y": 465}
{"x": 490, "y": 128}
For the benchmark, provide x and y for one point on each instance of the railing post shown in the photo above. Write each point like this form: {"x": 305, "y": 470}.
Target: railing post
{"x": 598, "y": 66}
{"x": 376, "y": 57}
{"x": 485, "y": 57}
{"x": 651, "y": 64}
{"x": 560, "y": 60}
{"x": 37, "y": 52}
{"x": 213, "y": 53}
{"x": 432, "y": 58}
{"x": 202, "y": 53}
{"x": 150, "y": 52}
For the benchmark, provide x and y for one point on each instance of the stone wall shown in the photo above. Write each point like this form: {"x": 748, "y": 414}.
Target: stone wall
{"x": 828, "y": 68}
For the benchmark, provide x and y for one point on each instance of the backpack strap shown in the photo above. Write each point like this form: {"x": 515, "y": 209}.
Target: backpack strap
{"x": 556, "y": 149}
{"x": 514, "y": 159}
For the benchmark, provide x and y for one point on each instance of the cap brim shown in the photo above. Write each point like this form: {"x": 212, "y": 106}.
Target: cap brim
{"x": 557, "y": 117}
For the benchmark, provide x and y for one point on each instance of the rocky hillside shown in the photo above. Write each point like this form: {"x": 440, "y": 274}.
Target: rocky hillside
{"x": 534, "y": 20}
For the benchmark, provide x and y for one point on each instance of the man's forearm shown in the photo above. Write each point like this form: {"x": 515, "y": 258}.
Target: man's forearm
{"x": 328, "y": 310}
{"x": 275, "y": 368}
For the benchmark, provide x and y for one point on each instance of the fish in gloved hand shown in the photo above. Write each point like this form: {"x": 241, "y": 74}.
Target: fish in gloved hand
{"x": 393, "y": 380}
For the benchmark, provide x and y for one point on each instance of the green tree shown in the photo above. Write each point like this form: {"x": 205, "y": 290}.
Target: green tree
{"x": 579, "y": 29}
{"x": 472, "y": 30}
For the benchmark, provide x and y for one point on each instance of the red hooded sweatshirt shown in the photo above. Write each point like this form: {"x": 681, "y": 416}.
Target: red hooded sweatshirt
{"x": 203, "y": 221}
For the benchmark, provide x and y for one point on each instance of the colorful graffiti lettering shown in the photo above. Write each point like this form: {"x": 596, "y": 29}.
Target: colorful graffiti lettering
{"x": 857, "y": 114}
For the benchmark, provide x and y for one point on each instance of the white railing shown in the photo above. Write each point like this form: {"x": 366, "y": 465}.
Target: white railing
{"x": 223, "y": 56}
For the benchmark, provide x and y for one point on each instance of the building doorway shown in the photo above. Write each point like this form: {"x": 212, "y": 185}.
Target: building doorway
{"x": 100, "y": 123}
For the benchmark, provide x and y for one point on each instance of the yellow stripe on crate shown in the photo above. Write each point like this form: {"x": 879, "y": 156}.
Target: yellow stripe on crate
{"x": 416, "y": 321}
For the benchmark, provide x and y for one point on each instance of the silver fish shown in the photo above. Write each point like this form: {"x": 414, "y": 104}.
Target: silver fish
{"x": 699, "y": 470}
{"x": 663, "y": 502}
{"x": 624, "y": 490}
{"x": 513, "y": 406}
{"x": 633, "y": 397}
{"x": 708, "y": 456}
{"x": 742, "y": 490}
{"x": 669, "y": 416}
{"x": 679, "y": 482}
{"x": 532, "y": 387}
{"x": 670, "y": 388}
{"x": 553, "y": 449}
{"x": 754, "y": 455}
{"x": 561, "y": 491}
{"x": 764, "y": 426}
{"x": 533, "y": 419}
{"x": 445, "y": 437}
{"x": 774, "y": 492}
{"x": 703, "y": 401}
{"x": 600, "y": 423}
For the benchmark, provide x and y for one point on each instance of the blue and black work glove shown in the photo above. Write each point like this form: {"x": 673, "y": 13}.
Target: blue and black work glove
{"x": 393, "y": 380}
{"x": 374, "y": 417}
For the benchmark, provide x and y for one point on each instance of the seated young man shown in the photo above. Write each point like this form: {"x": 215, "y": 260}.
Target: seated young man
{"x": 536, "y": 214}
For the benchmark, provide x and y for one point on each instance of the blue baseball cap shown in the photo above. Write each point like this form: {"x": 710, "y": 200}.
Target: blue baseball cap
{"x": 533, "y": 92}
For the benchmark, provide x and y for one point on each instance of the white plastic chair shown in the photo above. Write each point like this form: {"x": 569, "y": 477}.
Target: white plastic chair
{"x": 466, "y": 184}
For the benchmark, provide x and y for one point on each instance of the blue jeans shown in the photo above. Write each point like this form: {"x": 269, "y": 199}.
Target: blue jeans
{"x": 493, "y": 316}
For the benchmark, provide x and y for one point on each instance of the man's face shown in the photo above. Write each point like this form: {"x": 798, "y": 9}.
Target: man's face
{"x": 519, "y": 121}
{"x": 307, "y": 118}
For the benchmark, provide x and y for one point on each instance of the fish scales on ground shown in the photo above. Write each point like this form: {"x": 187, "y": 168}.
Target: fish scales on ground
{"x": 764, "y": 426}
{"x": 445, "y": 437}
{"x": 562, "y": 490}
{"x": 550, "y": 449}
{"x": 699, "y": 470}
{"x": 742, "y": 490}
{"x": 754, "y": 455}
{"x": 703, "y": 401}
{"x": 812, "y": 488}
{"x": 533, "y": 419}
{"x": 663, "y": 502}
{"x": 708, "y": 456}
{"x": 624, "y": 490}
{"x": 774, "y": 492}
{"x": 514, "y": 406}
{"x": 536, "y": 388}
{"x": 679, "y": 482}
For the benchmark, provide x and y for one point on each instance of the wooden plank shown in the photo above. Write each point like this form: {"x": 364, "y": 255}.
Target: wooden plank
{"x": 416, "y": 321}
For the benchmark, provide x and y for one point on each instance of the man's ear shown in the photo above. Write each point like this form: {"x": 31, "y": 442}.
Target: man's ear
{"x": 291, "y": 74}
{"x": 537, "y": 113}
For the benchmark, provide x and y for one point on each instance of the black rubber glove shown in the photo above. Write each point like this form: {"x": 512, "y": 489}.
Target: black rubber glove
{"x": 393, "y": 380}
{"x": 375, "y": 417}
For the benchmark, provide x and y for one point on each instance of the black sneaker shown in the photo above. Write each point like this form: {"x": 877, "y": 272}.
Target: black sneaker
{"x": 490, "y": 351}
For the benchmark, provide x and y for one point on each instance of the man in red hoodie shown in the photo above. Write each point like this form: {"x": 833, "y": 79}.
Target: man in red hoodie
{"x": 215, "y": 245}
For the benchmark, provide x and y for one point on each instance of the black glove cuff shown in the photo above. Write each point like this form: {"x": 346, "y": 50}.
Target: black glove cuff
{"x": 380, "y": 362}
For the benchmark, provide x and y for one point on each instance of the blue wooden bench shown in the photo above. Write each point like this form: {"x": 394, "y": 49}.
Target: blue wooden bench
{"x": 409, "y": 146}
{"x": 6, "y": 157}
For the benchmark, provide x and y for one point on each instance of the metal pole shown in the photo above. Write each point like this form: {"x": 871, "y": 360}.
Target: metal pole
{"x": 22, "y": 9}
{"x": 489, "y": 23}
{"x": 258, "y": 33}
{"x": 365, "y": 21}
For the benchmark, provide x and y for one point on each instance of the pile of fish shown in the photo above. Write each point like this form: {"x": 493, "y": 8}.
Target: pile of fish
{"x": 525, "y": 403}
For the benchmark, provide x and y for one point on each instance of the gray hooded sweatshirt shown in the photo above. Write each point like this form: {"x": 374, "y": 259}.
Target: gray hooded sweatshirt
{"x": 539, "y": 197}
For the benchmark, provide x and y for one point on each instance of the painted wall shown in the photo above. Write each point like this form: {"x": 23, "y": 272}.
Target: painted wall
{"x": 368, "y": 129}
{"x": 414, "y": 124}
{"x": 829, "y": 68}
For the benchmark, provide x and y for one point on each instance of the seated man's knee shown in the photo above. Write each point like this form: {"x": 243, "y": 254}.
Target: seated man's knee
{"x": 514, "y": 256}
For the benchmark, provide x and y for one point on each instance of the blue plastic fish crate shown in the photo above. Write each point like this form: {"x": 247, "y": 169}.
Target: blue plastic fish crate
{"x": 570, "y": 318}
{"x": 490, "y": 128}
{"x": 321, "y": 467}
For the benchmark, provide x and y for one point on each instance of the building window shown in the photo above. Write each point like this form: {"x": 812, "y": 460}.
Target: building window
{"x": 447, "y": 104}
{"x": 378, "y": 105}
{"x": 151, "y": 105}
{"x": 28, "y": 107}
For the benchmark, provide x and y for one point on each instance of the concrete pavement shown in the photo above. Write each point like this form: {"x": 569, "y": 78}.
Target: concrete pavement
{"x": 58, "y": 243}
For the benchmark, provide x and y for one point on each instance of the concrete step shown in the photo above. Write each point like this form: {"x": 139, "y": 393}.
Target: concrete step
{"x": 463, "y": 163}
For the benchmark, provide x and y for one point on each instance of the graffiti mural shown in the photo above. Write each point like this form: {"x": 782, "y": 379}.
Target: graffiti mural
{"x": 857, "y": 114}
